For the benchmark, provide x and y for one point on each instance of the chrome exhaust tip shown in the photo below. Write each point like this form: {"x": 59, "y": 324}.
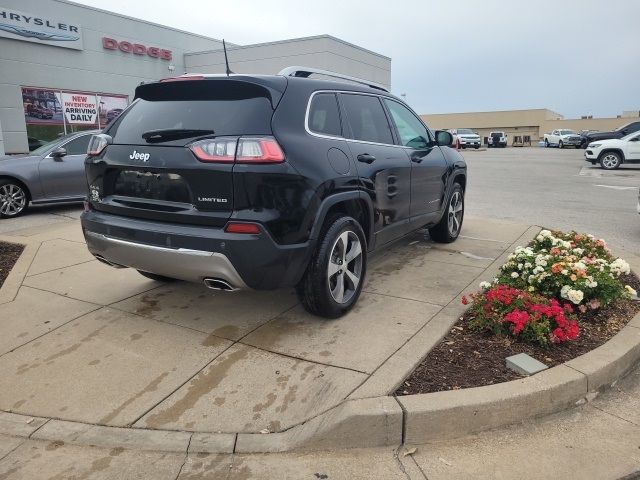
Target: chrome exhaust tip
{"x": 219, "y": 284}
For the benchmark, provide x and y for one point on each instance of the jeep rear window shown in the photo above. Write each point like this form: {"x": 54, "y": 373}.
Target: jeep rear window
{"x": 226, "y": 107}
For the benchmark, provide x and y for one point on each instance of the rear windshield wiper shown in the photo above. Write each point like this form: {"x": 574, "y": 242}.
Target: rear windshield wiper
{"x": 174, "y": 133}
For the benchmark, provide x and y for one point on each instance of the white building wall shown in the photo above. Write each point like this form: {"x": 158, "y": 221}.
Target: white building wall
{"x": 325, "y": 52}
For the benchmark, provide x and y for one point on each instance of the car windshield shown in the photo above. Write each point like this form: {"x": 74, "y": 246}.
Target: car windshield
{"x": 567, "y": 132}
{"x": 465, "y": 130}
{"x": 622, "y": 127}
{"x": 630, "y": 136}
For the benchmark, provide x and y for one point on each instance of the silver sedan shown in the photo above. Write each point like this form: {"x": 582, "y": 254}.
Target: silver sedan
{"x": 53, "y": 173}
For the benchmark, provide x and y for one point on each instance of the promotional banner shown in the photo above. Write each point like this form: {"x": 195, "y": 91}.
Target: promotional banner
{"x": 32, "y": 27}
{"x": 79, "y": 108}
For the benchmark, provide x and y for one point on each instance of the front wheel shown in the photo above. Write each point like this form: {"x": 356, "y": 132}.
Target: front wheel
{"x": 546, "y": 143}
{"x": 448, "y": 229}
{"x": 560, "y": 144}
{"x": 610, "y": 160}
{"x": 334, "y": 277}
{"x": 14, "y": 200}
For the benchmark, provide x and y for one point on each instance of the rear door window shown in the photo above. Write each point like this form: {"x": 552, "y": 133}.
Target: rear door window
{"x": 324, "y": 116}
{"x": 226, "y": 107}
{"x": 367, "y": 119}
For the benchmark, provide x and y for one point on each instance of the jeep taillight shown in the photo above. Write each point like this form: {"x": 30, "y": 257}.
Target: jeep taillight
{"x": 98, "y": 143}
{"x": 259, "y": 150}
{"x": 243, "y": 150}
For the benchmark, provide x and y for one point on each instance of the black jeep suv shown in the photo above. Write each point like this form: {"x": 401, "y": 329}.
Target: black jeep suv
{"x": 263, "y": 182}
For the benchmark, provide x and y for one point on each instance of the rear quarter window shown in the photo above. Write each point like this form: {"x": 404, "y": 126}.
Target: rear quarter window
{"x": 324, "y": 116}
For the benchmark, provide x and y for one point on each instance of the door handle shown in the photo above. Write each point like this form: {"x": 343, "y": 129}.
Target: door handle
{"x": 366, "y": 158}
{"x": 416, "y": 159}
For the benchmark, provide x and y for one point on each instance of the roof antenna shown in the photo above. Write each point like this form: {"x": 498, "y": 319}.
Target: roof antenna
{"x": 226, "y": 59}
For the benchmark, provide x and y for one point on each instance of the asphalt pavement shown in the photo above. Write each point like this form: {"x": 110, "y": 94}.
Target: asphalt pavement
{"x": 555, "y": 188}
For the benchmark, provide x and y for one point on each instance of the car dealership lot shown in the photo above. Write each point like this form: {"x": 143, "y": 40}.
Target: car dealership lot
{"x": 556, "y": 189}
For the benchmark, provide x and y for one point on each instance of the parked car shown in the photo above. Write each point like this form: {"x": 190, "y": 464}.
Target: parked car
{"x": 39, "y": 111}
{"x": 584, "y": 134}
{"x": 270, "y": 181}
{"x": 52, "y": 173}
{"x": 466, "y": 137}
{"x": 614, "y": 152}
{"x": 561, "y": 138}
{"x": 619, "y": 132}
{"x": 497, "y": 139}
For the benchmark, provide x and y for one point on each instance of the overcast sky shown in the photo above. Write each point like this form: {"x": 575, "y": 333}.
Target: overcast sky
{"x": 576, "y": 57}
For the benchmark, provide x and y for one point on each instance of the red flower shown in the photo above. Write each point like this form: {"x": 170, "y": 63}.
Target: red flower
{"x": 465, "y": 301}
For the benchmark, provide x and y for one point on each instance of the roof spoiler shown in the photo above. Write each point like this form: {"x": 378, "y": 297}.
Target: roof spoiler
{"x": 306, "y": 72}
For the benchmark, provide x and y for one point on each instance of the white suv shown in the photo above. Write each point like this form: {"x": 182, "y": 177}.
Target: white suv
{"x": 614, "y": 152}
{"x": 466, "y": 137}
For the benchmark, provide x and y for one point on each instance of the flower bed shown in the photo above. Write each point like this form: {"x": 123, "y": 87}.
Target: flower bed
{"x": 9, "y": 254}
{"x": 557, "y": 298}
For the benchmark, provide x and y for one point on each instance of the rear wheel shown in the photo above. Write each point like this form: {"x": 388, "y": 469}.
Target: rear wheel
{"x": 334, "y": 277}
{"x": 14, "y": 199}
{"x": 448, "y": 229}
{"x": 610, "y": 160}
{"x": 157, "y": 278}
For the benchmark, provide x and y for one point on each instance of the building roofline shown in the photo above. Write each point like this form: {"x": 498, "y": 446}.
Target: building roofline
{"x": 139, "y": 20}
{"x": 497, "y": 111}
{"x": 276, "y": 42}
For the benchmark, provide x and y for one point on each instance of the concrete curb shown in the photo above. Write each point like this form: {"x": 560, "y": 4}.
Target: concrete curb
{"x": 456, "y": 413}
{"x": 13, "y": 281}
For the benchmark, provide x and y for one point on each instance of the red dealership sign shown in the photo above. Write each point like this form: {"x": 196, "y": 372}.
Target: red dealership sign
{"x": 135, "y": 48}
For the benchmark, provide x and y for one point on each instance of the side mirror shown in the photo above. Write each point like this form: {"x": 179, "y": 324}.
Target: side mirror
{"x": 58, "y": 153}
{"x": 444, "y": 138}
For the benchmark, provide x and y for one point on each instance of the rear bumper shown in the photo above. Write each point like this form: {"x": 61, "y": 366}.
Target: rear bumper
{"x": 193, "y": 253}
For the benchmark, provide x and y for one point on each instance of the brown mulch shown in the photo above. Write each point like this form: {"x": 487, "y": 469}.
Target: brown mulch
{"x": 467, "y": 359}
{"x": 9, "y": 253}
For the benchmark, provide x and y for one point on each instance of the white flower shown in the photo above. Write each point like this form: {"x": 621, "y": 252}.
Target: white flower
{"x": 575, "y": 296}
{"x": 514, "y": 275}
{"x": 485, "y": 285}
{"x": 565, "y": 271}
{"x": 545, "y": 233}
{"x": 619, "y": 266}
{"x": 564, "y": 290}
{"x": 592, "y": 284}
{"x": 631, "y": 291}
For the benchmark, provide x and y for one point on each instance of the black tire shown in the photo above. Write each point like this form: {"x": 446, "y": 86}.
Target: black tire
{"x": 610, "y": 160}
{"x": 560, "y": 144}
{"x": 477, "y": 147}
{"x": 157, "y": 278}
{"x": 546, "y": 143}
{"x": 316, "y": 287}
{"x": 443, "y": 232}
{"x": 14, "y": 198}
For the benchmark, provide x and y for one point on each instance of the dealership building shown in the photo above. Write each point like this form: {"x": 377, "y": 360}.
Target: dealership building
{"x": 66, "y": 67}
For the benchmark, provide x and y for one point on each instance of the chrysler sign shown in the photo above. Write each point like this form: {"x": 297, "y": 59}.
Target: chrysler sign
{"x": 39, "y": 29}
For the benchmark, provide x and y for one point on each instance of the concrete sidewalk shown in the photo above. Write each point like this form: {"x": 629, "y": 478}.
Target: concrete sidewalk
{"x": 600, "y": 440}
{"x": 87, "y": 343}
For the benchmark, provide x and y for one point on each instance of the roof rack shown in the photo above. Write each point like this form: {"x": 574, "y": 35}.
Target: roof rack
{"x": 305, "y": 72}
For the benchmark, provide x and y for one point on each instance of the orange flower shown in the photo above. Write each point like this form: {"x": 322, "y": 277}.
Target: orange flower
{"x": 573, "y": 278}
{"x": 556, "y": 268}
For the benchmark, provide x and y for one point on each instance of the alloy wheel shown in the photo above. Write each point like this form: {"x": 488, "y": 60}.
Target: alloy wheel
{"x": 454, "y": 213}
{"x": 344, "y": 271}
{"x": 13, "y": 200}
{"x": 610, "y": 161}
